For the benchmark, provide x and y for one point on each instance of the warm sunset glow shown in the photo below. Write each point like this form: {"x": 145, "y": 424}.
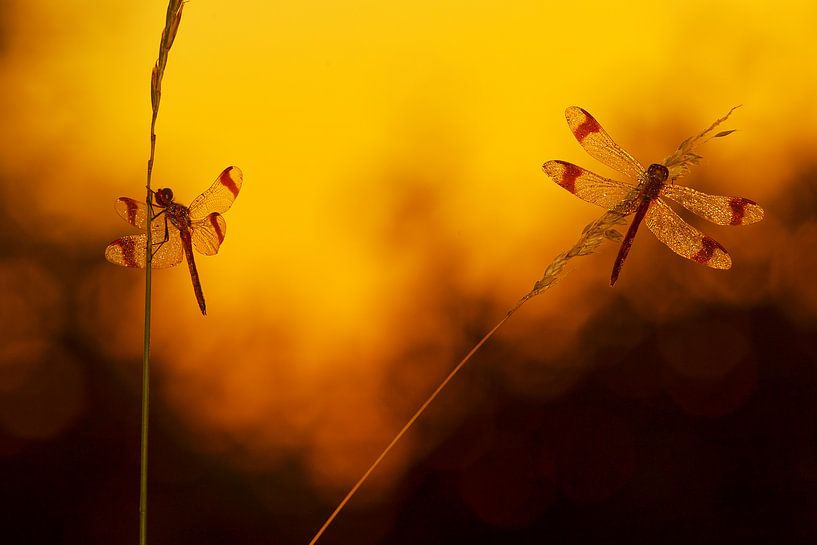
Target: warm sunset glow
{"x": 393, "y": 207}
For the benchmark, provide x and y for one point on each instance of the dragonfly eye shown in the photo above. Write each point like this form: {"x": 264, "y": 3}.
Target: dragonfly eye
{"x": 164, "y": 196}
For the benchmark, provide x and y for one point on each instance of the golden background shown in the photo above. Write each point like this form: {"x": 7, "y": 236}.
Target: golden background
{"x": 393, "y": 209}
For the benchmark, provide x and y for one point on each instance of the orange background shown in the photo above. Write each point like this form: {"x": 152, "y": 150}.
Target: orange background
{"x": 393, "y": 209}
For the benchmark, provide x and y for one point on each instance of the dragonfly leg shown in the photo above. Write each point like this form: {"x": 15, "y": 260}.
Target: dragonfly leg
{"x": 158, "y": 246}
{"x": 152, "y": 194}
{"x": 166, "y": 237}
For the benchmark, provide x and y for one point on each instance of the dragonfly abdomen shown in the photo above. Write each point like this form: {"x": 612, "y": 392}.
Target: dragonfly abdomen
{"x": 194, "y": 273}
{"x": 640, "y": 212}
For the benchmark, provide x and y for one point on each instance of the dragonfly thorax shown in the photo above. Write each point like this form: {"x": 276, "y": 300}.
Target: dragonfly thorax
{"x": 656, "y": 178}
{"x": 179, "y": 216}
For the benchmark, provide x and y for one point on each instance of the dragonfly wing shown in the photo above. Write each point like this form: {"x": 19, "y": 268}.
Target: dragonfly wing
{"x": 129, "y": 251}
{"x": 136, "y": 213}
{"x": 220, "y": 196}
{"x": 208, "y": 234}
{"x": 132, "y": 211}
{"x": 600, "y": 145}
{"x": 684, "y": 239}
{"x": 587, "y": 186}
{"x": 715, "y": 208}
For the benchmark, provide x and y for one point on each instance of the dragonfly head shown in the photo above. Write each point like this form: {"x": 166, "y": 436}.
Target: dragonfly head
{"x": 658, "y": 173}
{"x": 164, "y": 196}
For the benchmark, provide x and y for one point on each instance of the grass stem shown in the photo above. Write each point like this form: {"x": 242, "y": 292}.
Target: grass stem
{"x": 172, "y": 20}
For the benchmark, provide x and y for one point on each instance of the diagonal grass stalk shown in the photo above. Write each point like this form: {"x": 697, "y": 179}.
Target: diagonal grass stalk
{"x": 592, "y": 236}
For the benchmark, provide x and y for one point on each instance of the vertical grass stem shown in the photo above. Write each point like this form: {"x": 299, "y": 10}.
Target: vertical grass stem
{"x": 172, "y": 20}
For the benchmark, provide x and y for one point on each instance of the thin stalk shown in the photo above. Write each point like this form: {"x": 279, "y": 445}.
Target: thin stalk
{"x": 592, "y": 236}
{"x": 172, "y": 20}
{"x": 143, "y": 454}
{"x": 406, "y": 427}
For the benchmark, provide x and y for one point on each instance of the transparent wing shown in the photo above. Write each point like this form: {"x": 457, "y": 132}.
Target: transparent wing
{"x": 684, "y": 239}
{"x": 208, "y": 234}
{"x": 136, "y": 213}
{"x": 129, "y": 251}
{"x": 715, "y": 208}
{"x": 220, "y": 196}
{"x": 587, "y": 186}
{"x": 132, "y": 211}
{"x": 599, "y": 145}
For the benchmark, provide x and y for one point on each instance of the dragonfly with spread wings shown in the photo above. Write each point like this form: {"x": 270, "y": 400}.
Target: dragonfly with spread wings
{"x": 177, "y": 229}
{"x": 644, "y": 195}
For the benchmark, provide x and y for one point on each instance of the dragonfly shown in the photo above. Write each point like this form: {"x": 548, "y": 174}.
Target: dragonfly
{"x": 177, "y": 229}
{"x": 646, "y": 192}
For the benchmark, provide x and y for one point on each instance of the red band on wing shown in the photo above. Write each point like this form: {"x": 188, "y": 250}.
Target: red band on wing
{"x": 216, "y": 227}
{"x": 228, "y": 182}
{"x": 708, "y": 247}
{"x": 589, "y": 126}
{"x": 738, "y": 206}
{"x": 133, "y": 208}
{"x": 571, "y": 172}
{"x": 128, "y": 251}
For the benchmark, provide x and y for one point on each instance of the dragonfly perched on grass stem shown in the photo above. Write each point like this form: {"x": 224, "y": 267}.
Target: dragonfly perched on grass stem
{"x": 645, "y": 194}
{"x": 177, "y": 229}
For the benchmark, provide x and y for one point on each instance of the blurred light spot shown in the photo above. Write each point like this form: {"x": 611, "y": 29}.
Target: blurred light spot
{"x": 549, "y": 357}
{"x": 17, "y": 360}
{"x": 237, "y": 400}
{"x": 41, "y": 387}
{"x": 706, "y": 349}
{"x": 110, "y": 309}
{"x": 543, "y": 379}
{"x": 507, "y": 488}
{"x": 422, "y": 363}
{"x": 658, "y": 285}
{"x": 349, "y": 438}
{"x": 613, "y": 339}
{"x": 554, "y": 336}
{"x": 714, "y": 396}
{"x": 613, "y": 332}
{"x": 795, "y": 271}
{"x": 48, "y": 401}
{"x": 32, "y": 308}
{"x": 469, "y": 442}
{"x": 637, "y": 377}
